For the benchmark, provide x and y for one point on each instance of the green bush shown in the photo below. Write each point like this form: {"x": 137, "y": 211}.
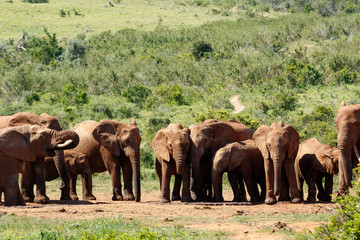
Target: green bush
{"x": 201, "y": 49}
{"x": 76, "y": 48}
{"x": 345, "y": 76}
{"x": 163, "y": 94}
{"x": 36, "y": 1}
{"x": 137, "y": 94}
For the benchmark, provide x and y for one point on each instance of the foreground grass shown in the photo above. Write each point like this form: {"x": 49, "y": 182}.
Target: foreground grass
{"x": 13, "y": 227}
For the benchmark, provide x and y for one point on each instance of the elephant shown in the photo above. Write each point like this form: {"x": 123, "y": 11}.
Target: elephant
{"x": 34, "y": 172}
{"x": 75, "y": 163}
{"x": 244, "y": 162}
{"x": 348, "y": 139}
{"x": 171, "y": 146}
{"x": 27, "y": 143}
{"x": 314, "y": 162}
{"x": 279, "y": 145}
{"x": 111, "y": 145}
{"x": 206, "y": 139}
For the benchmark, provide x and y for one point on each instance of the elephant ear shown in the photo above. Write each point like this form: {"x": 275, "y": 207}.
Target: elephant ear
{"x": 260, "y": 139}
{"x": 105, "y": 134}
{"x": 294, "y": 141}
{"x": 237, "y": 156}
{"x": 324, "y": 164}
{"x": 159, "y": 145}
{"x": 17, "y": 145}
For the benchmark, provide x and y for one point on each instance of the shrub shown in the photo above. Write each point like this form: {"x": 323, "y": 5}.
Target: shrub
{"x": 345, "y": 76}
{"x": 36, "y": 1}
{"x": 346, "y": 223}
{"x": 171, "y": 95}
{"x": 76, "y": 48}
{"x": 137, "y": 94}
{"x": 201, "y": 49}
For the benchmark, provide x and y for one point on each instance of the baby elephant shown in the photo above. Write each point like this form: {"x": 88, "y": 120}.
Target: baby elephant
{"x": 171, "y": 146}
{"x": 243, "y": 161}
{"x": 75, "y": 163}
{"x": 313, "y": 162}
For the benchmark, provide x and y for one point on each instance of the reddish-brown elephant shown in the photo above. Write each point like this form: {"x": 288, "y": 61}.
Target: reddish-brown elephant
{"x": 76, "y": 163}
{"x": 171, "y": 146}
{"x": 348, "y": 138}
{"x": 111, "y": 145}
{"x": 28, "y": 143}
{"x": 34, "y": 172}
{"x": 314, "y": 162}
{"x": 279, "y": 145}
{"x": 206, "y": 139}
{"x": 243, "y": 162}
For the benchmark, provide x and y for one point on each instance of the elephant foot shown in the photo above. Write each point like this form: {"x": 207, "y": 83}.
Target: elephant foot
{"x": 296, "y": 200}
{"x": 324, "y": 197}
{"x": 117, "y": 198}
{"x": 311, "y": 200}
{"x": 270, "y": 201}
{"x": 175, "y": 197}
{"x": 28, "y": 199}
{"x": 67, "y": 198}
{"x": 186, "y": 199}
{"x": 254, "y": 199}
{"x": 284, "y": 198}
{"x": 129, "y": 197}
{"x": 74, "y": 197}
{"x": 164, "y": 200}
{"x": 194, "y": 196}
{"x": 89, "y": 198}
{"x": 41, "y": 199}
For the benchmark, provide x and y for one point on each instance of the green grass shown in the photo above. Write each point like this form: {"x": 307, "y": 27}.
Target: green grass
{"x": 13, "y": 227}
{"x": 98, "y": 16}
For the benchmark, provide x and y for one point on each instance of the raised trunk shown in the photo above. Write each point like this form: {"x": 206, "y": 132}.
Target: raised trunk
{"x": 277, "y": 176}
{"x": 63, "y": 136}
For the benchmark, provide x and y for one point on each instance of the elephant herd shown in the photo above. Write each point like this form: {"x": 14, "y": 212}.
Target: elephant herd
{"x": 268, "y": 165}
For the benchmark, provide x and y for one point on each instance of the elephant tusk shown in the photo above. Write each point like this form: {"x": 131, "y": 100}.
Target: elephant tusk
{"x": 65, "y": 144}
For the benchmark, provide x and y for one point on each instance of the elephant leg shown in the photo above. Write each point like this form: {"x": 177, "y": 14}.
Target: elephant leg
{"x": 27, "y": 181}
{"x": 284, "y": 190}
{"x": 73, "y": 193}
{"x": 19, "y": 199}
{"x": 128, "y": 176}
{"x": 262, "y": 183}
{"x": 301, "y": 192}
{"x": 291, "y": 177}
{"x": 113, "y": 167}
{"x": 186, "y": 195}
{"x": 269, "y": 175}
{"x": 216, "y": 178}
{"x": 176, "y": 189}
{"x": 325, "y": 195}
{"x": 39, "y": 169}
{"x": 252, "y": 188}
{"x": 311, "y": 190}
{"x": 87, "y": 184}
{"x": 158, "y": 172}
{"x": 165, "y": 183}
{"x": 235, "y": 183}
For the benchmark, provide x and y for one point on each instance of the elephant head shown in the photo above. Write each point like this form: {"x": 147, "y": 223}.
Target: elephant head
{"x": 348, "y": 134}
{"x": 172, "y": 142}
{"x": 229, "y": 157}
{"x": 27, "y": 142}
{"x": 207, "y": 138}
{"x": 122, "y": 140}
{"x": 276, "y": 143}
{"x": 328, "y": 159}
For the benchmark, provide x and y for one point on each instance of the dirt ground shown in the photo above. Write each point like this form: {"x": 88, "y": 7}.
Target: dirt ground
{"x": 194, "y": 215}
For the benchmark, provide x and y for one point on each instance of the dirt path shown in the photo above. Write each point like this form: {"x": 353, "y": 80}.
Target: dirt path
{"x": 238, "y": 220}
{"x": 238, "y": 107}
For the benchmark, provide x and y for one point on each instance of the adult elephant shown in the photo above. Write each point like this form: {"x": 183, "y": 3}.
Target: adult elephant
{"x": 76, "y": 163}
{"x": 110, "y": 145}
{"x": 348, "y": 138}
{"x": 244, "y": 162}
{"x": 171, "y": 146}
{"x": 279, "y": 145}
{"x": 206, "y": 139}
{"x": 27, "y": 143}
{"x": 34, "y": 172}
{"x": 314, "y": 162}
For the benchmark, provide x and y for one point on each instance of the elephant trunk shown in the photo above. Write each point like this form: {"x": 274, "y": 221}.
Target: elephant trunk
{"x": 135, "y": 163}
{"x": 345, "y": 161}
{"x": 63, "y": 136}
{"x": 277, "y": 176}
{"x": 179, "y": 157}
